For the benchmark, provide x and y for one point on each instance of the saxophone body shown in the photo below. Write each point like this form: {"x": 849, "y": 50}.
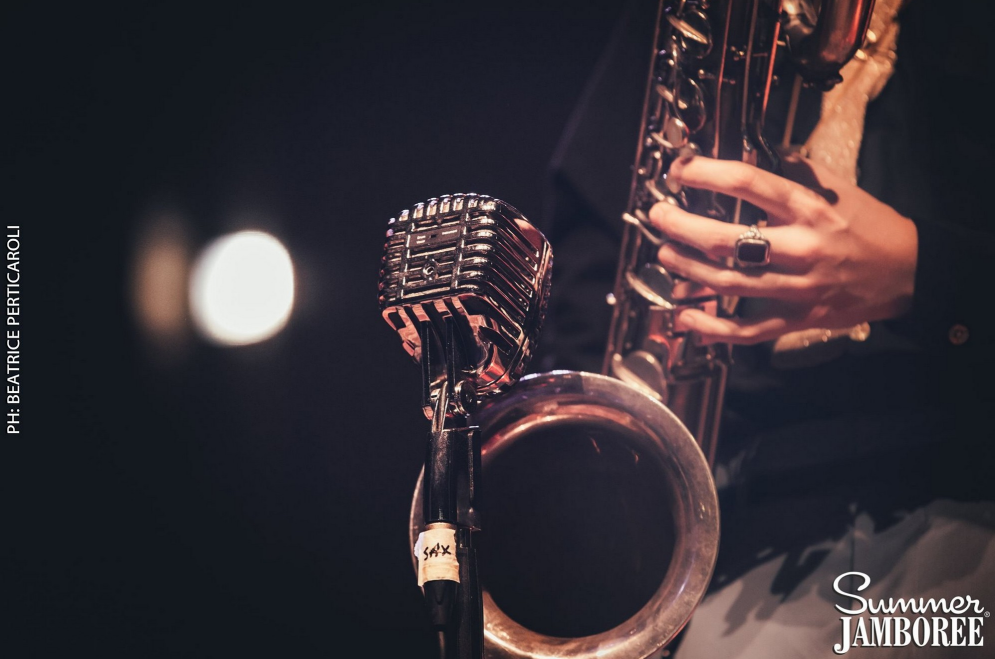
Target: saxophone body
{"x": 659, "y": 396}
{"x": 711, "y": 73}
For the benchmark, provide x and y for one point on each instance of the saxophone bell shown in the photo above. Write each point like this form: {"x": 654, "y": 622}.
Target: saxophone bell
{"x": 578, "y": 411}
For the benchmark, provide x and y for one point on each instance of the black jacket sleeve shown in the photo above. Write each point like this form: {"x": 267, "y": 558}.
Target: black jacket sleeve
{"x": 952, "y": 312}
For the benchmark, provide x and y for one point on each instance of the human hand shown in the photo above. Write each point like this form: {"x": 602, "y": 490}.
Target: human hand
{"x": 838, "y": 256}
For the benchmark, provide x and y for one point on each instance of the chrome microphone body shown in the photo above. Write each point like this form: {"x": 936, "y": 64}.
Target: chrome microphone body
{"x": 464, "y": 283}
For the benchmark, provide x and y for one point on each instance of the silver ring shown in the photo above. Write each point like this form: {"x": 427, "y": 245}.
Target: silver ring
{"x": 752, "y": 249}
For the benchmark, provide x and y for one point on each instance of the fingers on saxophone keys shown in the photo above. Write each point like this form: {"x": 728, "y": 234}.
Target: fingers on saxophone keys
{"x": 712, "y": 329}
{"x": 726, "y": 281}
{"x": 785, "y": 201}
{"x": 792, "y": 247}
{"x": 712, "y": 237}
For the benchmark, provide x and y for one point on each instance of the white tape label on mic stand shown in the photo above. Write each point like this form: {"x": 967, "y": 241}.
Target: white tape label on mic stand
{"x": 436, "y": 554}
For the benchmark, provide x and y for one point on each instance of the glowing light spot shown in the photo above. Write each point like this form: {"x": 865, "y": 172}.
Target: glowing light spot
{"x": 159, "y": 270}
{"x": 242, "y": 288}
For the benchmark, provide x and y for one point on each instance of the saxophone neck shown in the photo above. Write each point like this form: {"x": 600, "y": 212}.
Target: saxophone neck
{"x": 823, "y": 40}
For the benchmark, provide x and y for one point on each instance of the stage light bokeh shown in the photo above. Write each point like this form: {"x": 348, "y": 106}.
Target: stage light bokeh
{"x": 159, "y": 281}
{"x": 242, "y": 288}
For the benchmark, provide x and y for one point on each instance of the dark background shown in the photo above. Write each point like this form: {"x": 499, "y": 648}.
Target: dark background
{"x": 205, "y": 501}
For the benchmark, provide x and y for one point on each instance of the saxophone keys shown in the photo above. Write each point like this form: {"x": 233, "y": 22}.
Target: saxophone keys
{"x": 641, "y": 222}
{"x": 694, "y": 32}
{"x": 688, "y": 104}
{"x": 642, "y": 370}
{"x": 675, "y": 133}
{"x": 653, "y": 284}
{"x": 650, "y": 185}
{"x": 672, "y": 185}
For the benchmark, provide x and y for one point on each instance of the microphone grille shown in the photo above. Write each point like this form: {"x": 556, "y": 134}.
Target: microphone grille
{"x": 477, "y": 260}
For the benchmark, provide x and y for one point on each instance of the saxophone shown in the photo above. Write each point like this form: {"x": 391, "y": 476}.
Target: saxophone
{"x": 711, "y": 70}
{"x": 710, "y": 79}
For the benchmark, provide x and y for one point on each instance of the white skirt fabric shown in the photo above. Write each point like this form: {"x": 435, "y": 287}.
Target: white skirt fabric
{"x": 943, "y": 550}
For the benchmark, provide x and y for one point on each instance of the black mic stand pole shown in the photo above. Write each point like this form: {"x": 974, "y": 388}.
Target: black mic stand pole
{"x": 452, "y": 592}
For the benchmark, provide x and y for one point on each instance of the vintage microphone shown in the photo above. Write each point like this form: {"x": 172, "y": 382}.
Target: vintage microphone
{"x": 464, "y": 282}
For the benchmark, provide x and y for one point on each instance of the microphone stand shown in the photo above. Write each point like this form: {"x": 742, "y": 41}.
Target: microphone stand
{"x": 451, "y": 463}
